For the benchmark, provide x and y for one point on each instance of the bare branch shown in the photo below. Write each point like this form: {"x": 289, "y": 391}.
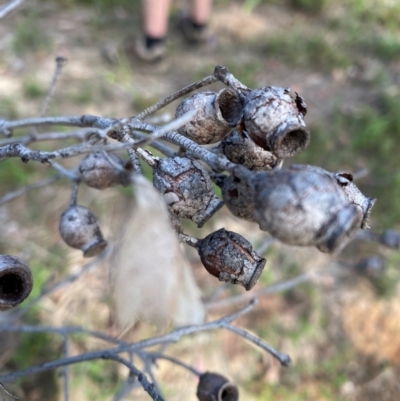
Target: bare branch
{"x": 159, "y": 355}
{"x": 10, "y": 7}
{"x": 284, "y": 359}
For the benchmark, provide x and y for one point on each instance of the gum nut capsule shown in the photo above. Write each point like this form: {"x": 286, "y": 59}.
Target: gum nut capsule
{"x": 391, "y": 239}
{"x": 240, "y": 149}
{"x": 374, "y": 266}
{"x": 231, "y": 258}
{"x": 187, "y": 189}
{"x": 216, "y": 115}
{"x": 215, "y": 387}
{"x": 79, "y": 229}
{"x": 15, "y": 281}
{"x": 273, "y": 118}
{"x": 238, "y": 196}
{"x": 308, "y": 206}
{"x": 98, "y": 171}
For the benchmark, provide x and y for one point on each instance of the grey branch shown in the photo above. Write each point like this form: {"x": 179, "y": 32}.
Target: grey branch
{"x": 10, "y": 7}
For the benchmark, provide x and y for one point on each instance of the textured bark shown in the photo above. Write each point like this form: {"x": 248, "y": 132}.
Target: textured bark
{"x": 80, "y": 230}
{"x": 231, "y": 258}
{"x": 306, "y": 205}
{"x": 16, "y": 281}
{"x": 187, "y": 189}
{"x": 273, "y": 118}
{"x": 216, "y": 115}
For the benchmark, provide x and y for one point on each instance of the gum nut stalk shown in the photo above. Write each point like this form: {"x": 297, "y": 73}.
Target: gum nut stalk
{"x": 216, "y": 115}
{"x": 391, "y": 239}
{"x": 240, "y": 149}
{"x": 187, "y": 189}
{"x": 215, "y": 387}
{"x": 308, "y": 206}
{"x": 238, "y": 196}
{"x": 79, "y": 229}
{"x": 15, "y": 281}
{"x": 98, "y": 171}
{"x": 231, "y": 258}
{"x": 273, "y": 118}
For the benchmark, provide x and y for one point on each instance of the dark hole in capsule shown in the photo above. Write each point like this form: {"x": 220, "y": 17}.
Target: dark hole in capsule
{"x": 11, "y": 287}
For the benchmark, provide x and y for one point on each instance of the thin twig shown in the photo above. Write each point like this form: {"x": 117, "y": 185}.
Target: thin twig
{"x": 173, "y": 336}
{"x": 182, "y": 92}
{"x": 10, "y": 7}
{"x": 74, "y": 193}
{"x": 21, "y": 191}
{"x": 188, "y": 240}
{"x": 66, "y": 369}
{"x": 159, "y": 355}
{"x": 284, "y": 359}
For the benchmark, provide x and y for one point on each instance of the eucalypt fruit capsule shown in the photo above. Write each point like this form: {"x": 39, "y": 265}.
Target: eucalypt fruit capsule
{"x": 15, "y": 281}
{"x": 80, "y": 230}
{"x": 231, "y": 258}
{"x": 215, "y": 387}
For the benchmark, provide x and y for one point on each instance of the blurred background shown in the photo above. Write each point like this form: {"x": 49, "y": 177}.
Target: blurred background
{"x": 343, "y": 57}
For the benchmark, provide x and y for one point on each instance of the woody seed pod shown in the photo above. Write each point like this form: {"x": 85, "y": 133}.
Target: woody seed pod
{"x": 231, "y": 258}
{"x": 216, "y": 115}
{"x": 238, "y": 196}
{"x": 187, "y": 189}
{"x": 79, "y": 229}
{"x": 374, "y": 266}
{"x": 391, "y": 239}
{"x": 240, "y": 149}
{"x": 15, "y": 281}
{"x": 273, "y": 118}
{"x": 306, "y": 205}
{"x": 215, "y": 387}
{"x": 97, "y": 171}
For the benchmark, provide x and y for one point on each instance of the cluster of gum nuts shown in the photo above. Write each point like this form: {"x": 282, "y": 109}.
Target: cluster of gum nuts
{"x": 254, "y": 129}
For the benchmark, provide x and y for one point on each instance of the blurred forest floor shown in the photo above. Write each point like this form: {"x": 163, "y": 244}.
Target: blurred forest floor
{"x": 343, "y": 333}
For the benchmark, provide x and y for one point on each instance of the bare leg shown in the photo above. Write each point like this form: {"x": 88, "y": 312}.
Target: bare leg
{"x": 156, "y": 13}
{"x": 200, "y": 11}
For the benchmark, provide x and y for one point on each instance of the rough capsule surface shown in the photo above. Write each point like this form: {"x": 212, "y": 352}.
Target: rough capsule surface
{"x": 231, "y": 258}
{"x": 215, "y": 387}
{"x": 16, "y": 281}
{"x": 274, "y": 120}
{"x": 309, "y": 206}
{"x": 80, "y": 230}
{"x": 187, "y": 189}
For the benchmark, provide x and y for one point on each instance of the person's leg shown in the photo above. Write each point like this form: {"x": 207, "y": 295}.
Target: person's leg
{"x": 200, "y": 11}
{"x": 151, "y": 46}
{"x": 156, "y": 13}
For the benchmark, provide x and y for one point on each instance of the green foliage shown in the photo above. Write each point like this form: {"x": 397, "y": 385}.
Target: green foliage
{"x": 33, "y": 89}
{"x": 8, "y": 108}
{"x": 312, "y": 51}
{"x": 312, "y": 6}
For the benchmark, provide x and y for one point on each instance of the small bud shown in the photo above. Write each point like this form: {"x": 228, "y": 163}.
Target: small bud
{"x": 391, "y": 239}
{"x": 240, "y": 149}
{"x": 79, "y": 229}
{"x": 97, "y": 171}
{"x": 187, "y": 189}
{"x": 374, "y": 266}
{"x": 238, "y": 196}
{"x": 306, "y": 205}
{"x": 231, "y": 258}
{"x": 215, "y": 387}
{"x": 216, "y": 115}
{"x": 273, "y": 118}
{"x": 15, "y": 281}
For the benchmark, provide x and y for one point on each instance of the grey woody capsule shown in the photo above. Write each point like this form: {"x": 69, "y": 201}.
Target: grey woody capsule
{"x": 273, "y": 118}
{"x": 308, "y": 206}
{"x": 215, "y": 387}
{"x": 231, "y": 258}
{"x": 374, "y": 266}
{"x": 391, "y": 239}
{"x": 16, "y": 281}
{"x": 79, "y": 229}
{"x": 216, "y": 115}
{"x": 240, "y": 149}
{"x": 187, "y": 189}
{"x": 98, "y": 171}
{"x": 238, "y": 196}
